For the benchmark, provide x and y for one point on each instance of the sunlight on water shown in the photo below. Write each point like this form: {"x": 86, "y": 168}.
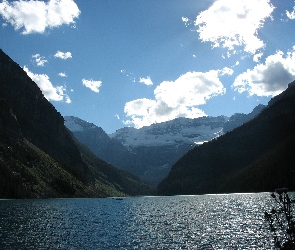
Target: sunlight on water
{"x": 180, "y": 222}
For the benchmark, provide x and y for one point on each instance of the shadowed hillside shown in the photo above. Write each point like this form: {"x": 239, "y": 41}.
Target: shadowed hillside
{"x": 38, "y": 156}
{"x": 257, "y": 156}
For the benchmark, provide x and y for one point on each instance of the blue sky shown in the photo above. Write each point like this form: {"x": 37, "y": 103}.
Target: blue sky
{"x": 137, "y": 62}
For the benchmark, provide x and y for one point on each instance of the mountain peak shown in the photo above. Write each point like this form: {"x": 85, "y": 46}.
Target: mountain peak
{"x": 76, "y": 124}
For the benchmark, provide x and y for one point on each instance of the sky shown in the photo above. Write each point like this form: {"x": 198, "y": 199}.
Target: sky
{"x": 138, "y": 62}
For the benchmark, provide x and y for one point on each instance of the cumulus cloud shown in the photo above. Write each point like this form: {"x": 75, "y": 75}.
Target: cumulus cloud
{"x": 49, "y": 91}
{"x": 256, "y": 57}
{"x": 37, "y": 16}
{"x": 146, "y": 81}
{"x": 232, "y": 24}
{"x": 270, "y": 78}
{"x": 226, "y": 71}
{"x": 291, "y": 15}
{"x": 40, "y": 60}
{"x": 62, "y": 74}
{"x": 63, "y": 55}
{"x": 179, "y": 98}
{"x": 91, "y": 84}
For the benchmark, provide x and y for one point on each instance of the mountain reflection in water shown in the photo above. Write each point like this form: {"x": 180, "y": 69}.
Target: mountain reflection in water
{"x": 234, "y": 221}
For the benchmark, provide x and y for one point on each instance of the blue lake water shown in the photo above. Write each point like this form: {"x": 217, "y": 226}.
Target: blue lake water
{"x": 234, "y": 221}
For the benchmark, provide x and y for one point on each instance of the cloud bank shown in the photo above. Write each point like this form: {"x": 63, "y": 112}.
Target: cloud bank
{"x": 37, "y": 16}
{"x": 91, "y": 84}
{"x": 230, "y": 24}
{"x": 178, "y": 98}
{"x": 50, "y": 92}
{"x": 270, "y": 78}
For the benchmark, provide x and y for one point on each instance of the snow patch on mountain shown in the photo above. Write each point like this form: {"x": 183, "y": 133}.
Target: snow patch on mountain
{"x": 75, "y": 124}
{"x": 177, "y": 131}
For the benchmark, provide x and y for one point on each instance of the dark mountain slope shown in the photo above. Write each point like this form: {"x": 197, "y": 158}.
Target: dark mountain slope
{"x": 39, "y": 121}
{"x": 238, "y": 119}
{"x": 206, "y": 168}
{"x": 150, "y": 163}
{"x": 109, "y": 176}
{"x": 104, "y": 147}
{"x": 38, "y": 156}
{"x": 150, "y": 152}
{"x": 272, "y": 170}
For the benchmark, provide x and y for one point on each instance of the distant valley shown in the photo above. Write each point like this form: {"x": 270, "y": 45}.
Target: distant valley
{"x": 149, "y": 152}
{"x": 43, "y": 154}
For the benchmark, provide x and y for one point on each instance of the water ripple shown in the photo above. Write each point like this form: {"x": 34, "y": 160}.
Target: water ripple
{"x": 180, "y": 222}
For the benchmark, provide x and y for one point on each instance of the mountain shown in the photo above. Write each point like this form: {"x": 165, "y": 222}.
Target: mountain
{"x": 256, "y": 156}
{"x": 149, "y": 152}
{"x": 160, "y": 145}
{"x": 39, "y": 157}
{"x": 175, "y": 132}
{"x": 238, "y": 119}
{"x": 106, "y": 148}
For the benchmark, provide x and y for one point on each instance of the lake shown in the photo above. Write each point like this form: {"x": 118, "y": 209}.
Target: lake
{"x": 234, "y": 221}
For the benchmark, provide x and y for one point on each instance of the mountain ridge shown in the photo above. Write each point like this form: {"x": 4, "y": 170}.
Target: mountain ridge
{"x": 150, "y": 152}
{"x": 179, "y": 130}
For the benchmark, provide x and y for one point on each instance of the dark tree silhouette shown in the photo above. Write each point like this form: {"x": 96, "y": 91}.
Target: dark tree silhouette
{"x": 281, "y": 219}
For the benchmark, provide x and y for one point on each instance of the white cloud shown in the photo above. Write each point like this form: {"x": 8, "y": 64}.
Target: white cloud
{"x": 179, "y": 98}
{"x": 37, "y": 16}
{"x": 256, "y": 57}
{"x": 291, "y": 15}
{"x": 146, "y": 81}
{"x": 49, "y": 91}
{"x": 91, "y": 84}
{"x": 62, "y": 74}
{"x": 226, "y": 71}
{"x": 40, "y": 60}
{"x": 63, "y": 55}
{"x": 186, "y": 21}
{"x": 232, "y": 24}
{"x": 270, "y": 78}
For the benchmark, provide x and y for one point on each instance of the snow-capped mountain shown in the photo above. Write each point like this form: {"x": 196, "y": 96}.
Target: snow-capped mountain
{"x": 75, "y": 124}
{"x": 178, "y": 131}
{"x": 149, "y": 152}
